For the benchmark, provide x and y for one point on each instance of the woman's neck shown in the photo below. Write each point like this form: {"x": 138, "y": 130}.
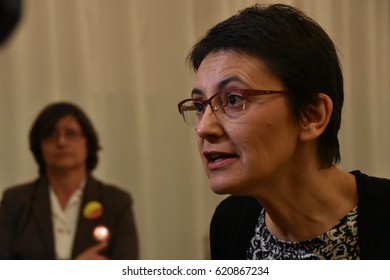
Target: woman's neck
{"x": 307, "y": 206}
{"x": 64, "y": 184}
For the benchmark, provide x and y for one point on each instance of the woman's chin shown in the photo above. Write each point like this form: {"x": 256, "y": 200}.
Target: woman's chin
{"x": 222, "y": 189}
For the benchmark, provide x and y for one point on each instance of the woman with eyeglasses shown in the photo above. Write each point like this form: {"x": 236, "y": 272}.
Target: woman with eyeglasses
{"x": 266, "y": 105}
{"x": 66, "y": 213}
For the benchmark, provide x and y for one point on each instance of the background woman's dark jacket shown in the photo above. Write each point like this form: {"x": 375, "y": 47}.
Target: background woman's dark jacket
{"x": 26, "y": 230}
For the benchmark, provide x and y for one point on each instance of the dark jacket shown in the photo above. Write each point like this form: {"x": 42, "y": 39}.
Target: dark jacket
{"x": 233, "y": 223}
{"x": 26, "y": 230}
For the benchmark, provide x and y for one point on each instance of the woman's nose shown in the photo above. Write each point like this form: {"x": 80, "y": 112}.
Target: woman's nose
{"x": 209, "y": 125}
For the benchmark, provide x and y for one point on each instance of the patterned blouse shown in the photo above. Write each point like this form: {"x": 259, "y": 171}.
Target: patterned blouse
{"x": 340, "y": 242}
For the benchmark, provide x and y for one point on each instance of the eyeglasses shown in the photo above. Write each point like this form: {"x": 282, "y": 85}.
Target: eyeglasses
{"x": 68, "y": 134}
{"x": 230, "y": 103}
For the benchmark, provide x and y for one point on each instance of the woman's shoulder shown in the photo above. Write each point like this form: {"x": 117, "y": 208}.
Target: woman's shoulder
{"x": 232, "y": 226}
{"x": 371, "y": 185}
{"x": 238, "y": 208}
{"x": 22, "y": 188}
{"x": 109, "y": 190}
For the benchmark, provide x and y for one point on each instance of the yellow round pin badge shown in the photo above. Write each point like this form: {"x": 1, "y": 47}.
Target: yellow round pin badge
{"x": 93, "y": 210}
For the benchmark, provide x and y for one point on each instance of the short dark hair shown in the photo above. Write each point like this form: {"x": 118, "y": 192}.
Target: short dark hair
{"x": 296, "y": 49}
{"x": 45, "y": 123}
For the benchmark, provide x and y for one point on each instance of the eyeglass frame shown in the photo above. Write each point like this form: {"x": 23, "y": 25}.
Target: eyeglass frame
{"x": 244, "y": 93}
{"x": 69, "y": 134}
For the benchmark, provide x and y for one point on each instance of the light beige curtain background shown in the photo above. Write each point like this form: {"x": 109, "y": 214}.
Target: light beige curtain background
{"x": 123, "y": 61}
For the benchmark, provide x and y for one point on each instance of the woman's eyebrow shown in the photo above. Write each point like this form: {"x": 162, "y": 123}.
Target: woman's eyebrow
{"x": 196, "y": 91}
{"x": 220, "y": 86}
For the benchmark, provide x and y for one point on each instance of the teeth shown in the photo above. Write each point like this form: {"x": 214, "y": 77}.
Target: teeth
{"x": 216, "y": 158}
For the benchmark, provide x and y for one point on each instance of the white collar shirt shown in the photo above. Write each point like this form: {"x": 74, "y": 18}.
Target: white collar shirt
{"x": 65, "y": 222}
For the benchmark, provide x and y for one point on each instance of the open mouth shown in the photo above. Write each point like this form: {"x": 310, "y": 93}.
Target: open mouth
{"x": 214, "y": 157}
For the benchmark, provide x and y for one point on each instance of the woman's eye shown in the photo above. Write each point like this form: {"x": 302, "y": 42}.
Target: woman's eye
{"x": 233, "y": 99}
{"x": 199, "y": 107}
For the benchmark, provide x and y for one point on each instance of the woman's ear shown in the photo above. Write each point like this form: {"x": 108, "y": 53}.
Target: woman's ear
{"x": 316, "y": 118}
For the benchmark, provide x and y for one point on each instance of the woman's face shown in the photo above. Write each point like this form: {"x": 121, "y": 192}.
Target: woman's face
{"x": 241, "y": 155}
{"x": 65, "y": 148}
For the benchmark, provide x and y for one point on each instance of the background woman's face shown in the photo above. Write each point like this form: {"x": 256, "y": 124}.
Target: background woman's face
{"x": 65, "y": 148}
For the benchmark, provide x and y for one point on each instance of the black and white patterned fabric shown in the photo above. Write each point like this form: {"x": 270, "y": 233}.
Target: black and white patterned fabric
{"x": 340, "y": 242}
